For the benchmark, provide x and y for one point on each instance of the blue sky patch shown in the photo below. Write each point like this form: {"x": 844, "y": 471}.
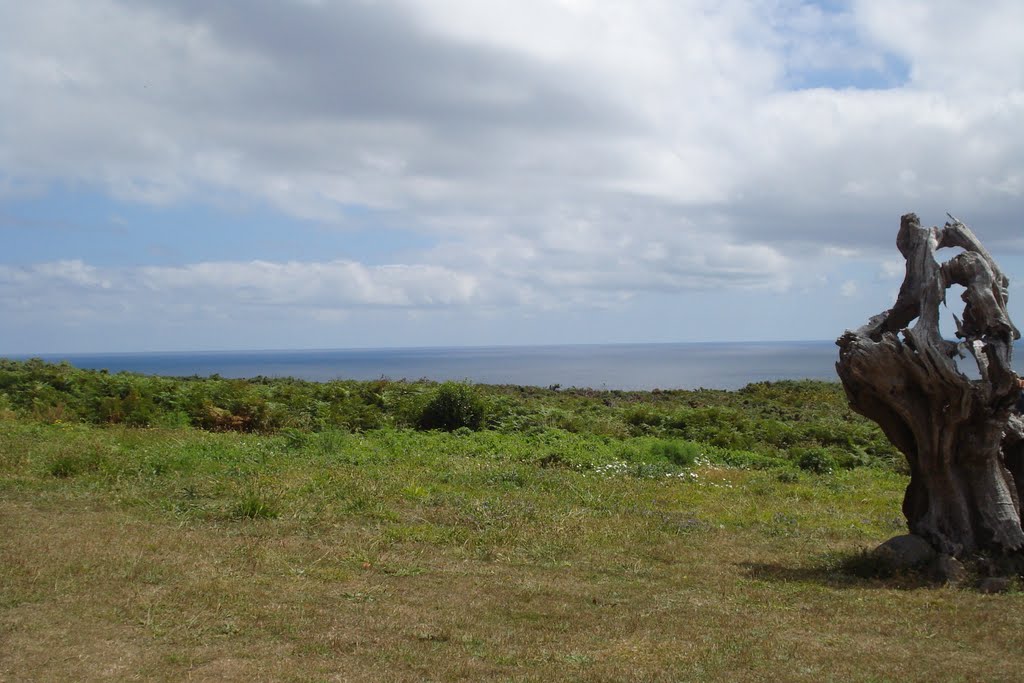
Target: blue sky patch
{"x": 68, "y": 223}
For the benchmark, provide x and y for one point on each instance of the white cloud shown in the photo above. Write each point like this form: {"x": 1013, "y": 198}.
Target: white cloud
{"x": 447, "y": 101}
{"x": 891, "y": 269}
{"x": 952, "y": 46}
{"x": 473, "y": 280}
{"x": 227, "y": 286}
{"x": 559, "y": 152}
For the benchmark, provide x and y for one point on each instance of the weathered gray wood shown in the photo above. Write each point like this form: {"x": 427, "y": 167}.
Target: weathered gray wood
{"x": 966, "y": 453}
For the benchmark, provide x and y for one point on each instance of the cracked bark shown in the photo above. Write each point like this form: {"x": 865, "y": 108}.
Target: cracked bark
{"x": 964, "y": 448}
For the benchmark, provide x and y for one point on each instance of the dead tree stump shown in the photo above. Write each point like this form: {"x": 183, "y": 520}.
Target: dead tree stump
{"x": 964, "y": 448}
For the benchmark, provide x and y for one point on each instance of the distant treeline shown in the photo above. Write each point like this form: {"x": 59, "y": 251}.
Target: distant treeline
{"x": 762, "y": 425}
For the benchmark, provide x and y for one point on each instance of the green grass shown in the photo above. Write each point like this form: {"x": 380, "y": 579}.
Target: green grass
{"x": 272, "y": 529}
{"x": 529, "y": 553}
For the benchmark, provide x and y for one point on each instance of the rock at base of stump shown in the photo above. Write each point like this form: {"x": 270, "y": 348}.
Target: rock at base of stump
{"x": 994, "y": 584}
{"x": 904, "y": 552}
{"x": 949, "y": 570}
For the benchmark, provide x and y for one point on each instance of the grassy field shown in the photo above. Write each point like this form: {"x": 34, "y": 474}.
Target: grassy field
{"x": 533, "y": 553}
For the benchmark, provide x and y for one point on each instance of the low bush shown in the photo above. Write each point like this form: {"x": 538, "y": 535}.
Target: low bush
{"x": 453, "y": 405}
{"x": 817, "y": 460}
{"x": 679, "y": 453}
{"x": 643, "y": 418}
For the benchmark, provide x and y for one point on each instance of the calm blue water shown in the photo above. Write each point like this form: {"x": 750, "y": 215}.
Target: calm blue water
{"x": 612, "y": 366}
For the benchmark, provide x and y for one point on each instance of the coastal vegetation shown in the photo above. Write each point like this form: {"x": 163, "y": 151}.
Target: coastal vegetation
{"x": 772, "y": 424}
{"x": 208, "y": 528}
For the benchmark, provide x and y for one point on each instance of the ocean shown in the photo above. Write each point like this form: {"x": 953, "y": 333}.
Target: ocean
{"x": 712, "y": 365}
{"x": 597, "y": 366}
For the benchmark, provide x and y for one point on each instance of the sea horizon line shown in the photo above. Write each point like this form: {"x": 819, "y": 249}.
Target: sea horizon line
{"x": 426, "y": 347}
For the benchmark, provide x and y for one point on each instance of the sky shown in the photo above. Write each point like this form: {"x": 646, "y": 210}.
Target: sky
{"x": 289, "y": 174}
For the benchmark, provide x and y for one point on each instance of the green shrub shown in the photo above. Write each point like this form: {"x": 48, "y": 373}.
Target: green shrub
{"x": 720, "y": 426}
{"x": 817, "y": 460}
{"x": 644, "y": 417}
{"x": 177, "y": 419}
{"x": 453, "y": 405}
{"x": 7, "y": 411}
{"x": 679, "y": 453}
{"x": 295, "y": 439}
{"x": 354, "y": 415}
